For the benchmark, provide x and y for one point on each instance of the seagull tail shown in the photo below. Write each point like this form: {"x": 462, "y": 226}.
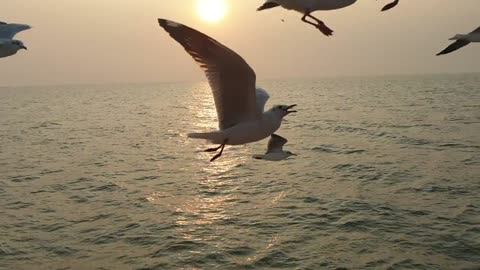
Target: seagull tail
{"x": 214, "y": 137}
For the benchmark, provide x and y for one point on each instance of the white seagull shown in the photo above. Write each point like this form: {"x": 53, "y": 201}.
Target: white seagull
{"x": 8, "y": 45}
{"x": 232, "y": 81}
{"x": 306, "y": 7}
{"x": 275, "y": 149}
{"x": 390, "y": 5}
{"x": 462, "y": 41}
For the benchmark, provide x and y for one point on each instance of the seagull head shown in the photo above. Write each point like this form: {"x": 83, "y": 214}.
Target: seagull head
{"x": 18, "y": 45}
{"x": 283, "y": 110}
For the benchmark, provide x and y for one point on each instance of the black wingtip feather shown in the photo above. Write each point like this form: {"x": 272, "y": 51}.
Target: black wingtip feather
{"x": 267, "y": 5}
{"x": 390, "y": 5}
{"x": 168, "y": 23}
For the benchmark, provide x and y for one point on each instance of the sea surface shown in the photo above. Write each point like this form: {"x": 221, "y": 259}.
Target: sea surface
{"x": 103, "y": 177}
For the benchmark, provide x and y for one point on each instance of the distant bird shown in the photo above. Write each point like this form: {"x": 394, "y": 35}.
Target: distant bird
{"x": 8, "y": 45}
{"x": 391, "y": 5}
{"x": 462, "y": 41}
{"x": 275, "y": 149}
{"x": 306, "y": 7}
{"x": 232, "y": 82}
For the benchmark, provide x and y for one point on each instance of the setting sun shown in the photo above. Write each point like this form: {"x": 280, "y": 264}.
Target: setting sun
{"x": 212, "y": 10}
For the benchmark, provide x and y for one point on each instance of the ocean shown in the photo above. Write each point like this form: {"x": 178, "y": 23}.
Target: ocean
{"x": 103, "y": 177}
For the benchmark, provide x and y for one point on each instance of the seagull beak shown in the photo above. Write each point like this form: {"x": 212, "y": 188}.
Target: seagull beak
{"x": 289, "y": 107}
{"x": 23, "y": 47}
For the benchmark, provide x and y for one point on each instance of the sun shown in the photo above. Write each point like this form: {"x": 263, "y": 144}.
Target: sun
{"x": 212, "y": 10}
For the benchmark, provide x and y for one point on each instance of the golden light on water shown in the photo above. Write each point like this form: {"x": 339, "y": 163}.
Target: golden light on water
{"x": 212, "y": 10}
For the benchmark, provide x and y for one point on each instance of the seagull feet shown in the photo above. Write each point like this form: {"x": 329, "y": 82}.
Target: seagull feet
{"x": 324, "y": 29}
{"x": 215, "y": 149}
{"x": 215, "y": 157}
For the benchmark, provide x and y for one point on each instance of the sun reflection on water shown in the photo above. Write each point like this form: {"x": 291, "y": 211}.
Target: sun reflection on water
{"x": 203, "y": 106}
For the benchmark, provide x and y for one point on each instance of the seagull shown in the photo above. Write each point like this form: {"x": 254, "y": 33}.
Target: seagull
{"x": 391, "y": 5}
{"x": 275, "y": 149}
{"x": 462, "y": 41}
{"x": 239, "y": 105}
{"x": 8, "y": 45}
{"x": 306, "y": 7}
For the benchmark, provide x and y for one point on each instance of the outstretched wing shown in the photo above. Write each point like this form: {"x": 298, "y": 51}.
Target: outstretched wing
{"x": 8, "y": 31}
{"x": 232, "y": 80}
{"x": 454, "y": 46}
{"x": 276, "y": 143}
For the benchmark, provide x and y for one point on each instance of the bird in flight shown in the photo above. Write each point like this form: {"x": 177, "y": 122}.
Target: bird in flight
{"x": 240, "y": 115}
{"x": 275, "y": 150}
{"x": 462, "y": 40}
{"x": 306, "y": 7}
{"x": 8, "y": 45}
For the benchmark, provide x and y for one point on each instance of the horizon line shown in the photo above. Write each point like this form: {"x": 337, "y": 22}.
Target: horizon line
{"x": 266, "y": 79}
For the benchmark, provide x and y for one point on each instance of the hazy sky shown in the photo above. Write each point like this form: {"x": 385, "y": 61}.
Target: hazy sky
{"x": 97, "y": 41}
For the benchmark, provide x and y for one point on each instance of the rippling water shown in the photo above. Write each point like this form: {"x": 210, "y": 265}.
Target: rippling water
{"x": 102, "y": 177}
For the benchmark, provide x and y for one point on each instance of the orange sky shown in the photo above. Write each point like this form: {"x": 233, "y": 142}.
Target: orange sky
{"x": 105, "y": 41}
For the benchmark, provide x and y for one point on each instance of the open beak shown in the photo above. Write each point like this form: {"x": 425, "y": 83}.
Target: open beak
{"x": 290, "y": 107}
{"x": 268, "y": 5}
{"x": 23, "y": 47}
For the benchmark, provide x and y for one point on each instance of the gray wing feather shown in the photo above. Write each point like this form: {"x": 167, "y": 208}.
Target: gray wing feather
{"x": 454, "y": 46}
{"x": 231, "y": 79}
{"x": 262, "y": 98}
{"x": 8, "y": 31}
{"x": 276, "y": 143}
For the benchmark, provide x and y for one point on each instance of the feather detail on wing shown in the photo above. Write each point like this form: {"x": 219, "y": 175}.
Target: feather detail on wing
{"x": 231, "y": 79}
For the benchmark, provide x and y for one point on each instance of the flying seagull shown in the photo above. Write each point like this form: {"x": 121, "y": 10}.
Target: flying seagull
{"x": 275, "y": 149}
{"x": 306, "y": 7}
{"x": 8, "y": 45}
{"x": 232, "y": 80}
{"x": 462, "y": 41}
{"x": 390, "y": 5}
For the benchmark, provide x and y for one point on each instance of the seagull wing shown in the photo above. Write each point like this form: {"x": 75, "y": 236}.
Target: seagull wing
{"x": 262, "y": 97}
{"x": 454, "y": 46}
{"x": 232, "y": 80}
{"x": 276, "y": 143}
{"x": 476, "y": 30}
{"x": 8, "y": 31}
